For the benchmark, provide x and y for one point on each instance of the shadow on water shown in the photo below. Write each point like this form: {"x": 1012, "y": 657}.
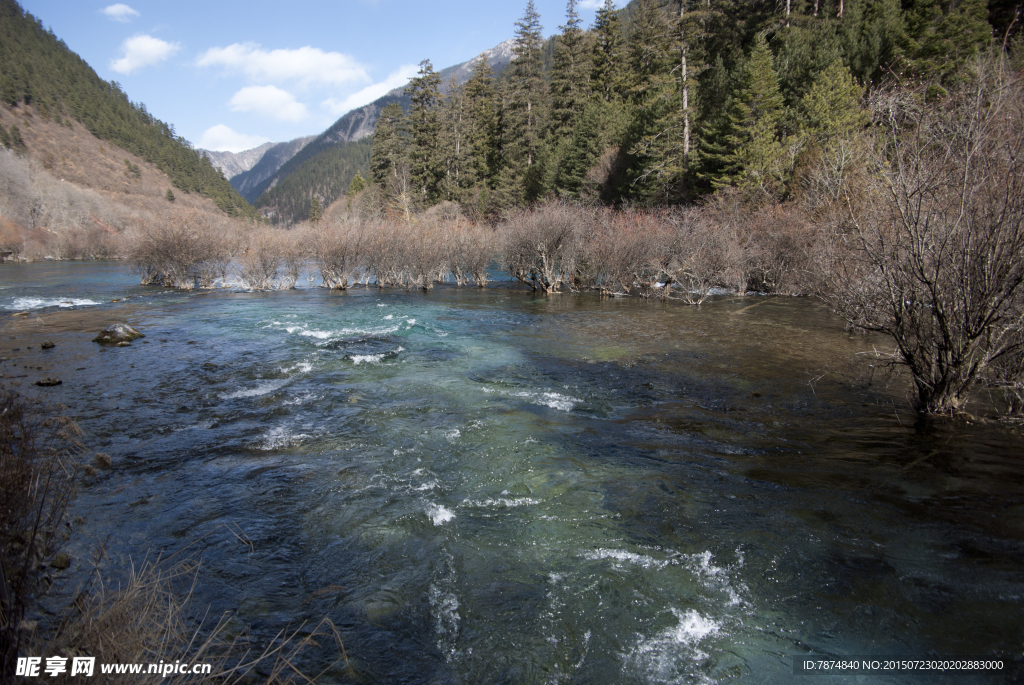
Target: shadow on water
{"x": 486, "y": 486}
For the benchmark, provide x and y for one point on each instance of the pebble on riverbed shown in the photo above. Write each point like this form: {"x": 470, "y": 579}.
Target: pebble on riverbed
{"x": 47, "y": 345}
{"x": 48, "y": 382}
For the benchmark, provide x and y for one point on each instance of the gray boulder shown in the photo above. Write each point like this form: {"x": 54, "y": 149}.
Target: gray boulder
{"x": 117, "y": 334}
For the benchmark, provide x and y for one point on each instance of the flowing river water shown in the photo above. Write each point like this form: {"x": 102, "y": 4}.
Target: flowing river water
{"x": 486, "y": 486}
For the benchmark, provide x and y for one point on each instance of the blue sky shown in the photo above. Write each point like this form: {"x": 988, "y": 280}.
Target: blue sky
{"x": 233, "y": 75}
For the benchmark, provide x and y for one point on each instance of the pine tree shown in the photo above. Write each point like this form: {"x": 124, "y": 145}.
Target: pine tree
{"x": 648, "y": 52}
{"x": 454, "y": 144}
{"x": 524, "y": 114}
{"x": 570, "y": 75}
{"x": 169, "y": 195}
{"x": 389, "y": 144}
{"x": 755, "y": 155}
{"x": 316, "y": 213}
{"x": 944, "y": 35}
{"x": 357, "y": 185}
{"x": 425, "y": 159}
{"x": 482, "y": 135}
{"x": 606, "y": 74}
{"x": 832, "y": 106}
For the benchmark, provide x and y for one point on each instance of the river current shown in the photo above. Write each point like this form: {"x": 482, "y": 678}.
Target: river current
{"x": 488, "y": 486}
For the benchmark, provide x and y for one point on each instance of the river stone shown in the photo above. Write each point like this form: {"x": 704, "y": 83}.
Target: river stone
{"x": 48, "y": 382}
{"x": 119, "y": 334}
{"x": 47, "y": 345}
{"x": 61, "y": 561}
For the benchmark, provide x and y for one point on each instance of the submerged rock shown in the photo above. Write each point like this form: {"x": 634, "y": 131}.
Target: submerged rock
{"x": 48, "y": 382}
{"x": 61, "y": 561}
{"x": 120, "y": 334}
{"x": 47, "y": 345}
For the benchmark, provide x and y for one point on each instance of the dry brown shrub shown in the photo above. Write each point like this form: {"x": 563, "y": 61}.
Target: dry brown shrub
{"x": 186, "y": 249}
{"x": 542, "y": 245}
{"x": 934, "y": 253}
{"x": 337, "y": 251}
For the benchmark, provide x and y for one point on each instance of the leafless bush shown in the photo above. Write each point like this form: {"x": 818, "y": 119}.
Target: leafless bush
{"x": 262, "y": 257}
{"x": 184, "y": 250}
{"x": 39, "y": 451}
{"x": 542, "y": 245}
{"x": 935, "y": 255}
{"x": 337, "y": 250}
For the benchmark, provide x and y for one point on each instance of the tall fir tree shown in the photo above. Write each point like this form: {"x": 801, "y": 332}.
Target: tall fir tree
{"x": 482, "y": 107}
{"x": 524, "y": 116}
{"x": 426, "y": 161}
{"x": 753, "y": 157}
{"x": 390, "y": 145}
{"x": 607, "y": 54}
{"x": 570, "y": 75}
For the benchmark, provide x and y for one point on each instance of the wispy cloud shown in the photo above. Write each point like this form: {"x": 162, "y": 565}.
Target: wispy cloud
{"x": 120, "y": 12}
{"x": 143, "y": 51}
{"x": 305, "y": 66}
{"x": 220, "y": 138}
{"x": 591, "y": 4}
{"x": 370, "y": 93}
{"x": 270, "y": 101}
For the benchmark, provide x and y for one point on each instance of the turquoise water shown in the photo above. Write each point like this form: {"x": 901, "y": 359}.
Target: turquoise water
{"x": 487, "y": 486}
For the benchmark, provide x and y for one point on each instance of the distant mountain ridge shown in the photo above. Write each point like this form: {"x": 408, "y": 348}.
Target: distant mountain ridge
{"x": 358, "y": 124}
{"x": 234, "y": 163}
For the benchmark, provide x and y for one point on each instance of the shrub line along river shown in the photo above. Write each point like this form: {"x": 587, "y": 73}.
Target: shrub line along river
{"x": 489, "y": 486}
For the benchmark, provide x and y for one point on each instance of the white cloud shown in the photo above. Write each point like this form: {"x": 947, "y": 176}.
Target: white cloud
{"x": 270, "y": 101}
{"x": 143, "y": 51}
{"x": 220, "y": 138}
{"x": 591, "y": 4}
{"x": 120, "y": 12}
{"x": 306, "y": 65}
{"x": 371, "y": 93}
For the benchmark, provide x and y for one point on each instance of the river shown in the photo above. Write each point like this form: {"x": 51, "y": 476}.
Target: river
{"x": 488, "y": 486}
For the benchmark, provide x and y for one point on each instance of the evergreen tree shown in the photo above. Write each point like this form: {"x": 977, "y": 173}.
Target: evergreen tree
{"x": 606, "y": 73}
{"x": 389, "y": 144}
{"x": 316, "y": 213}
{"x": 524, "y": 114}
{"x": 426, "y": 163}
{"x": 169, "y": 195}
{"x": 648, "y": 52}
{"x": 455, "y": 148}
{"x": 832, "y": 106}
{"x": 357, "y": 185}
{"x": 755, "y": 157}
{"x": 570, "y": 75}
{"x": 483, "y": 132}
{"x": 944, "y": 35}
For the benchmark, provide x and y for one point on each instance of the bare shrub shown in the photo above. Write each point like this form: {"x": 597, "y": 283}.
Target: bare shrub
{"x": 337, "y": 250}
{"x": 39, "y": 453}
{"x": 186, "y": 250}
{"x": 542, "y": 245}
{"x": 262, "y": 257}
{"x": 933, "y": 257}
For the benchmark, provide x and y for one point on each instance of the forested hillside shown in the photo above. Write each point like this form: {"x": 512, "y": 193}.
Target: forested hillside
{"x": 38, "y": 69}
{"x": 325, "y": 175}
{"x": 667, "y": 102}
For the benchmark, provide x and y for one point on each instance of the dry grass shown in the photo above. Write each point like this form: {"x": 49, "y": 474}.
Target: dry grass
{"x": 39, "y": 453}
{"x": 148, "y": 620}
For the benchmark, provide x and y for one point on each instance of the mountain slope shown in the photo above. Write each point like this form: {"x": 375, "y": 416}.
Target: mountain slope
{"x": 291, "y": 202}
{"x": 38, "y": 69}
{"x": 233, "y": 163}
{"x": 249, "y": 182}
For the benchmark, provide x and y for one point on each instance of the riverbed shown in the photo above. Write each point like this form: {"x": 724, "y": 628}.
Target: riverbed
{"x": 489, "y": 486}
